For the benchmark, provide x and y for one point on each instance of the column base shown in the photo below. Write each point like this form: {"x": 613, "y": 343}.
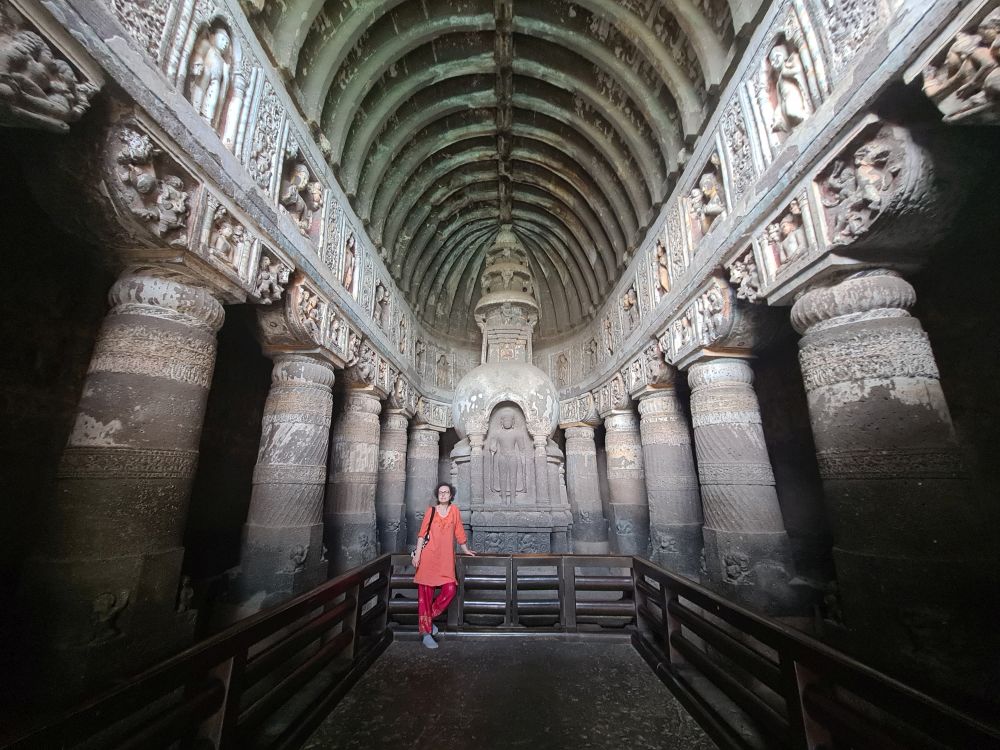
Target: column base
{"x": 754, "y": 570}
{"x": 677, "y": 547}
{"x": 352, "y": 540}
{"x": 391, "y": 523}
{"x": 628, "y": 529}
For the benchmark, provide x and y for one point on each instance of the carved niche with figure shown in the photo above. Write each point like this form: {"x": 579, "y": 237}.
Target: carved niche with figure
{"x": 508, "y": 449}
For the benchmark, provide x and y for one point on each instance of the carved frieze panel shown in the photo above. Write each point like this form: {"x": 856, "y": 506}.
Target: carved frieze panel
{"x": 42, "y": 85}
{"x": 790, "y": 82}
{"x": 701, "y": 323}
{"x": 367, "y": 280}
{"x": 962, "y": 77}
{"x": 349, "y": 272}
{"x": 787, "y": 239}
{"x": 261, "y": 152}
{"x": 845, "y": 26}
{"x": 612, "y": 395}
{"x": 302, "y": 194}
{"x": 860, "y": 183}
{"x": 629, "y": 312}
{"x": 146, "y": 24}
{"x": 154, "y": 190}
{"x": 381, "y": 305}
{"x": 661, "y": 269}
{"x": 333, "y": 237}
{"x": 582, "y": 409}
{"x": 561, "y": 370}
{"x": 226, "y": 242}
{"x": 677, "y": 249}
{"x": 742, "y": 153}
{"x": 745, "y": 276}
{"x": 706, "y": 202}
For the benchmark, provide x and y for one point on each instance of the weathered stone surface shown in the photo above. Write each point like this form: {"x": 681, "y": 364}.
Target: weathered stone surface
{"x": 675, "y": 517}
{"x": 389, "y": 496}
{"x": 628, "y": 518}
{"x": 746, "y": 548}
{"x": 906, "y": 539}
{"x": 105, "y": 573}
{"x": 590, "y": 527}
{"x": 283, "y": 551}
{"x": 349, "y": 520}
{"x": 421, "y": 477}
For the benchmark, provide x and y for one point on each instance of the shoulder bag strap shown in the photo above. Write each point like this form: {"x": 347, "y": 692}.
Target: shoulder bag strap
{"x": 427, "y": 536}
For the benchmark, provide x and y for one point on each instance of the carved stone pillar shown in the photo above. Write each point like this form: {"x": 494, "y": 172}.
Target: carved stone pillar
{"x": 541, "y": 469}
{"x": 906, "y": 537}
{"x": 590, "y": 528}
{"x": 746, "y": 546}
{"x": 675, "y": 517}
{"x": 349, "y": 516}
{"x": 101, "y": 588}
{"x": 421, "y": 476}
{"x": 629, "y": 510}
{"x": 476, "y": 443}
{"x": 282, "y": 551}
{"x": 389, "y": 497}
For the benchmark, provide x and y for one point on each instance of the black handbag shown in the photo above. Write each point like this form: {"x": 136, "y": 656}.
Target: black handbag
{"x": 426, "y": 538}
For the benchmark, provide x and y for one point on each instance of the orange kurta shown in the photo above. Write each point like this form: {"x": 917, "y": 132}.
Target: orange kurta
{"x": 437, "y": 560}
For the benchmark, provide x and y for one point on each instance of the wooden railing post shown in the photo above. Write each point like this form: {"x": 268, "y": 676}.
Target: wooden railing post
{"x": 567, "y": 593}
{"x": 807, "y": 733}
{"x": 220, "y": 727}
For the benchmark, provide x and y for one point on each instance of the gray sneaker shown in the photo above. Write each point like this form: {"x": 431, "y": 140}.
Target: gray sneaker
{"x": 429, "y": 642}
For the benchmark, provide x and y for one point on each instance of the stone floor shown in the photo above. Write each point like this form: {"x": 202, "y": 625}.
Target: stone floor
{"x": 509, "y": 693}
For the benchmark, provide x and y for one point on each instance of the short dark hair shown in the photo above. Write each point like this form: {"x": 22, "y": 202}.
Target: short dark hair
{"x": 439, "y": 485}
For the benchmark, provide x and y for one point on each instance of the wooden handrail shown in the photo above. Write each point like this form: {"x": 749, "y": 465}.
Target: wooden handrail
{"x": 216, "y": 672}
{"x": 820, "y": 688}
{"x": 798, "y": 692}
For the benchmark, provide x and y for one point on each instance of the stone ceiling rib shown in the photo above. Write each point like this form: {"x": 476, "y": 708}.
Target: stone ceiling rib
{"x": 445, "y": 120}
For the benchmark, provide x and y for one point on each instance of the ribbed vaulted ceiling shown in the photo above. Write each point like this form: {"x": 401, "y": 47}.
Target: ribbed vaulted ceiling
{"x": 447, "y": 119}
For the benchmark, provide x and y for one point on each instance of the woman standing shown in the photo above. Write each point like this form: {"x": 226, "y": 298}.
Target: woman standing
{"x": 435, "y": 560}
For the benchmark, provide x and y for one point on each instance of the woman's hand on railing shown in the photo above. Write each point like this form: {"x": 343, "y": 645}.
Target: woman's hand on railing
{"x": 466, "y": 551}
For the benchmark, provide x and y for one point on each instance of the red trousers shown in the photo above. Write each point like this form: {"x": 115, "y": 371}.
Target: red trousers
{"x": 428, "y": 607}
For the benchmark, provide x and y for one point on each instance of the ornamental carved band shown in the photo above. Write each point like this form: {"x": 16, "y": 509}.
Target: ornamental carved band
{"x": 117, "y": 462}
{"x": 889, "y": 463}
{"x": 868, "y": 353}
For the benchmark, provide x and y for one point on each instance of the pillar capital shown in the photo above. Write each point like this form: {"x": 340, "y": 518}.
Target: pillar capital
{"x": 720, "y": 371}
{"x": 622, "y": 420}
{"x": 579, "y": 432}
{"x": 164, "y": 293}
{"x": 867, "y": 295}
{"x": 301, "y": 369}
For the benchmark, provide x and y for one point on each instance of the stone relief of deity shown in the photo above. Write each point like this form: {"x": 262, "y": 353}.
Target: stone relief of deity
{"x": 562, "y": 370}
{"x": 350, "y": 261}
{"x": 301, "y": 195}
{"x": 381, "y": 304}
{"x": 662, "y": 268}
{"x": 508, "y": 447}
{"x": 210, "y": 74}
{"x": 271, "y": 279}
{"x": 787, "y": 89}
{"x": 707, "y": 201}
{"x": 630, "y": 304}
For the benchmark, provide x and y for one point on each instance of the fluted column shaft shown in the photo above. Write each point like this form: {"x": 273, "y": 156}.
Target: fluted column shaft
{"x": 590, "y": 528}
{"x": 675, "y": 517}
{"x": 282, "y": 552}
{"x": 629, "y": 510}
{"x": 421, "y": 477}
{"x": 390, "y": 511}
{"x": 905, "y": 531}
{"x": 746, "y": 547}
{"x": 102, "y": 584}
{"x": 349, "y": 515}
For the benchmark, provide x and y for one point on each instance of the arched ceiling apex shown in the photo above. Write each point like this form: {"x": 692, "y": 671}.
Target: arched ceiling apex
{"x": 456, "y": 125}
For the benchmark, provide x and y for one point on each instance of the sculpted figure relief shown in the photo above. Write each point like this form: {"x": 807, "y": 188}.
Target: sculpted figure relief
{"x": 104, "y": 613}
{"x": 402, "y": 342}
{"x": 744, "y": 274}
{"x": 590, "y": 351}
{"x": 301, "y": 197}
{"x": 381, "y": 304}
{"x": 967, "y": 79}
{"x": 662, "y": 268}
{"x": 442, "y": 371}
{"x": 709, "y": 310}
{"x": 630, "y": 304}
{"x": 36, "y": 88}
{"x": 228, "y": 238}
{"x": 350, "y": 261}
{"x": 562, "y": 370}
{"x": 271, "y": 280}
{"x": 789, "y": 90}
{"x": 418, "y": 354}
{"x": 309, "y": 312}
{"x": 508, "y": 445}
{"x": 609, "y": 336}
{"x": 209, "y": 74}
{"x": 853, "y": 193}
{"x": 707, "y": 201}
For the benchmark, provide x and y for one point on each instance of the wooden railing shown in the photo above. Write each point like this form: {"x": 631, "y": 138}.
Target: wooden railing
{"x": 265, "y": 682}
{"x": 752, "y": 682}
{"x": 527, "y": 593}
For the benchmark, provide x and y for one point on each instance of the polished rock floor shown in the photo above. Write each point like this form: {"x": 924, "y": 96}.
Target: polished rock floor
{"x": 509, "y": 693}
